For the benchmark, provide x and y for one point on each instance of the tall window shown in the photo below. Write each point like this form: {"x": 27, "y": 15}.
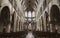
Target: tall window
{"x": 33, "y": 14}
{"x": 25, "y": 14}
{"x": 29, "y": 14}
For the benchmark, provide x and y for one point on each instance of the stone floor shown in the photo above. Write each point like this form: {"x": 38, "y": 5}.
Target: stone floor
{"x": 30, "y": 34}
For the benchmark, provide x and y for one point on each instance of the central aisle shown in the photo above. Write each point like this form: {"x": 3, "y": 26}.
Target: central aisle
{"x": 30, "y": 35}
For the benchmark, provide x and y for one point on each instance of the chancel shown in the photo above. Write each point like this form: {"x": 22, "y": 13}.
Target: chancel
{"x": 29, "y": 18}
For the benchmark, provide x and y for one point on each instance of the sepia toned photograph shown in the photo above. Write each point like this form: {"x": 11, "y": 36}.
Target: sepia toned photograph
{"x": 29, "y": 18}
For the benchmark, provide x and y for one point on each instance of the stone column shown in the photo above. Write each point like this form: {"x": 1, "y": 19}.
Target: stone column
{"x": 15, "y": 19}
{"x": 17, "y": 24}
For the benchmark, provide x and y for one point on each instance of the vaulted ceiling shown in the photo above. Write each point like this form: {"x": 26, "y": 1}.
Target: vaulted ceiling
{"x": 30, "y": 5}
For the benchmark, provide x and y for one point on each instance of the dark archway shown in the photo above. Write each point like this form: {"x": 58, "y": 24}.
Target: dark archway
{"x": 55, "y": 17}
{"x": 5, "y": 18}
